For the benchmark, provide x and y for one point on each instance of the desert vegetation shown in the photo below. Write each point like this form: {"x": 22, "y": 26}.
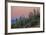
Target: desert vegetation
{"x": 32, "y": 21}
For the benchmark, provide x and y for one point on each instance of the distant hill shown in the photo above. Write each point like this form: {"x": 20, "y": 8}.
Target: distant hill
{"x": 13, "y": 21}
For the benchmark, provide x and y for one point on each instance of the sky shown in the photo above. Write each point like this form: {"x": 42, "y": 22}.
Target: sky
{"x": 17, "y": 11}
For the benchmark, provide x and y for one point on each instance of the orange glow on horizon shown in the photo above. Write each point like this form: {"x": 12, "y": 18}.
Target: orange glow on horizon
{"x": 21, "y": 11}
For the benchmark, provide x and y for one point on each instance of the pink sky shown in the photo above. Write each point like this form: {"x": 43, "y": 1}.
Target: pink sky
{"x": 21, "y": 11}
